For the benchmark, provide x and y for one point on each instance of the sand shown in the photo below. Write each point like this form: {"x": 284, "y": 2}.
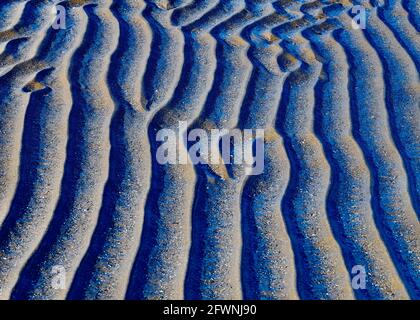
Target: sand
{"x": 81, "y": 189}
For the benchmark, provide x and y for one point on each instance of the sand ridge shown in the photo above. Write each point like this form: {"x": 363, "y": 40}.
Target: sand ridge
{"x": 80, "y": 186}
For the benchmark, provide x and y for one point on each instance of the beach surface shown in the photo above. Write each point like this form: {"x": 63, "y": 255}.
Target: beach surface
{"x": 87, "y": 211}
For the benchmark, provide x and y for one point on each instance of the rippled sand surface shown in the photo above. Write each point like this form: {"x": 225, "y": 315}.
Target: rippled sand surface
{"x": 81, "y": 189}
